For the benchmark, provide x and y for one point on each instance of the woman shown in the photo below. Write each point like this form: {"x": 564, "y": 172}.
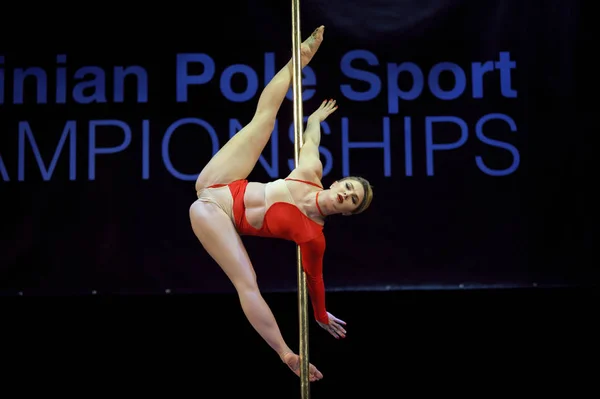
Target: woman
{"x": 293, "y": 208}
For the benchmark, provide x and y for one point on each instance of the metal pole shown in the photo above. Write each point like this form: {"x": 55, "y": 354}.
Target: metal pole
{"x": 298, "y": 140}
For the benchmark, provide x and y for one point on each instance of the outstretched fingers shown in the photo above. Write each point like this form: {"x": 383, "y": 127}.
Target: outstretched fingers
{"x": 335, "y": 326}
{"x": 328, "y": 106}
{"x": 336, "y": 330}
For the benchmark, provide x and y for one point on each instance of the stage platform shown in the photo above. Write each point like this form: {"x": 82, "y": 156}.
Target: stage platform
{"x": 203, "y": 345}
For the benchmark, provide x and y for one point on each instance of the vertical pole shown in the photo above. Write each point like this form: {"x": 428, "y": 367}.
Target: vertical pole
{"x": 298, "y": 140}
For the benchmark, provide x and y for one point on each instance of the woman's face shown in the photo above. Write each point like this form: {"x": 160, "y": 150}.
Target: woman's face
{"x": 346, "y": 195}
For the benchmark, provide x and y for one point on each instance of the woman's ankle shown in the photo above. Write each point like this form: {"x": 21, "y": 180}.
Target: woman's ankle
{"x": 284, "y": 353}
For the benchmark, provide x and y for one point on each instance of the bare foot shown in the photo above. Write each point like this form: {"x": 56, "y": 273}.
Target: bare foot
{"x": 309, "y": 47}
{"x": 293, "y": 362}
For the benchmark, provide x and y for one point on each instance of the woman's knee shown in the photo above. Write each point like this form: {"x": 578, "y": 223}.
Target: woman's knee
{"x": 201, "y": 213}
{"x": 197, "y": 213}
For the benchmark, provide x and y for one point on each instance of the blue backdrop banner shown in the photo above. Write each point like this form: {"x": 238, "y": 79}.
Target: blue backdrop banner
{"x": 463, "y": 115}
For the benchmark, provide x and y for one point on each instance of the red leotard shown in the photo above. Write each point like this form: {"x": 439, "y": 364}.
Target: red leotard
{"x": 285, "y": 221}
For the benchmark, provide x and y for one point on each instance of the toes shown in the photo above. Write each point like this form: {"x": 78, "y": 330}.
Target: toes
{"x": 317, "y": 31}
{"x": 293, "y": 362}
{"x": 314, "y": 373}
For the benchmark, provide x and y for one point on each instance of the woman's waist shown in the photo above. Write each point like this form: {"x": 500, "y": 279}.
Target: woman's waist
{"x": 255, "y": 195}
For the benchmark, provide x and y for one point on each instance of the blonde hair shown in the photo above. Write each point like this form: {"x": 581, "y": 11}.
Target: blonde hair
{"x": 367, "y": 198}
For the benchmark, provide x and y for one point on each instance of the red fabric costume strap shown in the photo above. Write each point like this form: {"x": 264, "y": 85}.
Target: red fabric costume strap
{"x": 312, "y": 184}
{"x": 304, "y": 181}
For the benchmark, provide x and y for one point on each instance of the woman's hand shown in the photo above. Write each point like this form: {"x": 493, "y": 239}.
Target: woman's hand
{"x": 334, "y": 327}
{"x": 327, "y": 108}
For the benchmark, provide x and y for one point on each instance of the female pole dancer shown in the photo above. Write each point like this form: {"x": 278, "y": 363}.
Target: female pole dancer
{"x": 294, "y": 208}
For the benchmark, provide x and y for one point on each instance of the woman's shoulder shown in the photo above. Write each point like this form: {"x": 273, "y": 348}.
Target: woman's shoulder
{"x": 305, "y": 174}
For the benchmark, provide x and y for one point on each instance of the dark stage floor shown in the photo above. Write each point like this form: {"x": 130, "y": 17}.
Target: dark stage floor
{"x": 396, "y": 340}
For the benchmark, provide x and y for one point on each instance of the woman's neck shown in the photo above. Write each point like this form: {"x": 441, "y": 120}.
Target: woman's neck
{"x": 316, "y": 204}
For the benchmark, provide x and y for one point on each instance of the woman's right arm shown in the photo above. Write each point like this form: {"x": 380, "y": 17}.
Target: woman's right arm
{"x": 309, "y": 153}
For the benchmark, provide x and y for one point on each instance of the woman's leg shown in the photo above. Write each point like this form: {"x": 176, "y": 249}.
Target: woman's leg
{"x": 236, "y": 159}
{"x": 218, "y": 236}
